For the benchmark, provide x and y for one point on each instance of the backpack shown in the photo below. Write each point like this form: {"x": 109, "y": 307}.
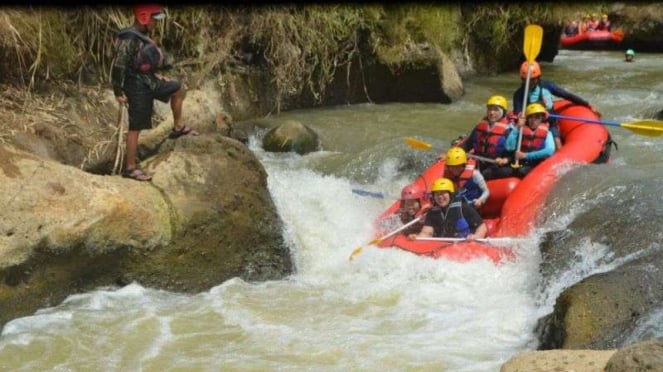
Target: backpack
{"x": 149, "y": 56}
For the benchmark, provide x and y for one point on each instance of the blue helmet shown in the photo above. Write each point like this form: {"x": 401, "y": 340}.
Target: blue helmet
{"x": 630, "y": 52}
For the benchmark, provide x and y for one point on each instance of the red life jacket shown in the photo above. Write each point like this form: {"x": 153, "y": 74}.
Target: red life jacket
{"x": 148, "y": 57}
{"x": 534, "y": 139}
{"x": 464, "y": 176}
{"x": 490, "y": 141}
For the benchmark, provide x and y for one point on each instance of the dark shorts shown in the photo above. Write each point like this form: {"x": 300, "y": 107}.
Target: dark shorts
{"x": 141, "y": 101}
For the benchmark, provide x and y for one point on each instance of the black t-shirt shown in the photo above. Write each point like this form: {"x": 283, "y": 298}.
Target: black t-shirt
{"x": 443, "y": 220}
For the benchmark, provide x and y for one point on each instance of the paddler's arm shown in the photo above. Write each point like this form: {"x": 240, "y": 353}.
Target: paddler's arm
{"x": 426, "y": 232}
{"x": 485, "y": 193}
{"x": 480, "y": 232}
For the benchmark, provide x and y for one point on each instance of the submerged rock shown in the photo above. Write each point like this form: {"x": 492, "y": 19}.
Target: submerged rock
{"x": 600, "y": 311}
{"x": 291, "y": 136}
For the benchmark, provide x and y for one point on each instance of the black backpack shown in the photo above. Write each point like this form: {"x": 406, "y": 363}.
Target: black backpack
{"x": 149, "y": 56}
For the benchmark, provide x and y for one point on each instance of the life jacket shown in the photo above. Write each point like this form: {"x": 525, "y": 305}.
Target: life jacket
{"x": 450, "y": 217}
{"x": 534, "y": 139}
{"x": 465, "y": 186}
{"x": 490, "y": 141}
{"x": 149, "y": 56}
{"x": 592, "y": 25}
{"x": 464, "y": 176}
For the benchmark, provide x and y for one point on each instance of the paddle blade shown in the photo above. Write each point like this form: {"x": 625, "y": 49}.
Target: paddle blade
{"x": 356, "y": 252}
{"x": 372, "y": 194}
{"x": 417, "y": 144}
{"x": 532, "y": 42}
{"x": 651, "y": 128}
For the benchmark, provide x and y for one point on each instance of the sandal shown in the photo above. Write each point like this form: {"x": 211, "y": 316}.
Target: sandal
{"x": 136, "y": 174}
{"x": 175, "y": 133}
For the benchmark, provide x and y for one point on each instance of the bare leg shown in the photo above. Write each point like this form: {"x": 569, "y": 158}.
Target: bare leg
{"x": 176, "y": 105}
{"x": 132, "y": 148}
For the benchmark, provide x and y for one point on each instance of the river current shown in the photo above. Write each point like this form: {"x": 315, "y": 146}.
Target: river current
{"x": 387, "y": 309}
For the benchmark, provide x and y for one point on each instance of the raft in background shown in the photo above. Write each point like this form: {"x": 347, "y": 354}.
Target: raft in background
{"x": 514, "y": 205}
{"x": 593, "y": 40}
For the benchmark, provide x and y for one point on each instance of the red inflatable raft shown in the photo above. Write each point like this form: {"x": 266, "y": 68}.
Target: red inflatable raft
{"x": 514, "y": 204}
{"x": 593, "y": 40}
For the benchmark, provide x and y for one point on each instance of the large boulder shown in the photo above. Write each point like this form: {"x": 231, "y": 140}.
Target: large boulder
{"x": 206, "y": 217}
{"x": 600, "y": 311}
{"x": 291, "y": 136}
{"x": 558, "y": 360}
{"x": 643, "y": 356}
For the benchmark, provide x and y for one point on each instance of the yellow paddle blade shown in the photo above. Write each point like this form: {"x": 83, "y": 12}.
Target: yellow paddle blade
{"x": 357, "y": 251}
{"x": 532, "y": 42}
{"x": 417, "y": 144}
{"x": 651, "y": 128}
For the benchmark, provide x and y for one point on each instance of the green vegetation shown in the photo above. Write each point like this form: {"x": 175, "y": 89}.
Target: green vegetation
{"x": 299, "y": 47}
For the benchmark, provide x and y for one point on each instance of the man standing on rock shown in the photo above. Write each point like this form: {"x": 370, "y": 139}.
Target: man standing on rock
{"x": 137, "y": 83}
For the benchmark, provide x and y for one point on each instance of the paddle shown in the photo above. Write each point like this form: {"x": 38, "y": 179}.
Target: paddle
{"x": 504, "y": 240}
{"x": 425, "y": 146}
{"x": 372, "y": 194}
{"x": 651, "y": 128}
{"x": 531, "y": 49}
{"x": 358, "y": 250}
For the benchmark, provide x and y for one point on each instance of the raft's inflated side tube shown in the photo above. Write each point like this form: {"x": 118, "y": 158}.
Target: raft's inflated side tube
{"x": 582, "y": 143}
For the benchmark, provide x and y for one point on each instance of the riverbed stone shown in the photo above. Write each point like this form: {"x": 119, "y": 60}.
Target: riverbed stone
{"x": 291, "y": 136}
{"x": 600, "y": 311}
{"x": 558, "y": 360}
{"x": 642, "y": 356}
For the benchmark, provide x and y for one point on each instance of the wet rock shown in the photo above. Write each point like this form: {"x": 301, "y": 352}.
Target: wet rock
{"x": 206, "y": 217}
{"x": 602, "y": 310}
{"x": 643, "y": 356}
{"x": 291, "y": 136}
{"x": 558, "y": 360}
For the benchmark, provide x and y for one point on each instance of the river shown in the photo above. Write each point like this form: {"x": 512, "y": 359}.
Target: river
{"x": 387, "y": 309}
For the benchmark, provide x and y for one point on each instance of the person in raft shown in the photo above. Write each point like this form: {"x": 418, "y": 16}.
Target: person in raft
{"x": 604, "y": 24}
{"x": 629, "y": 55}
{"x": 468, "y": 181}
{"x": 137, "y": 82}
{"x": 571, "y": 28}
{"x": 488, "y": 138}
{"x": 583, "y": 23}
{"x": 542, "y": 91}
{"x": 414, "y": 204}
{"x": 537, "y": 142}
{"x": 593, "y": 24}
{"x": 450, "y": 217}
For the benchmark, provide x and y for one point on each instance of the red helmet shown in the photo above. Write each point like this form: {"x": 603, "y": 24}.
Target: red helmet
{"x": 144, "y": 13}
{"x": 534, "y": 73}
{"x": 412, "y": 192}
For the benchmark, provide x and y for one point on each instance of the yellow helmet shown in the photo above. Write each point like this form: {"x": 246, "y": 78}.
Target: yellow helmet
{"x": 605, "y": 16}
{"x": 456, "y": 156}
{"x": 498, "y": 101}
{"x": 535, "y": 108}
{"x": 442, "y": 184}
